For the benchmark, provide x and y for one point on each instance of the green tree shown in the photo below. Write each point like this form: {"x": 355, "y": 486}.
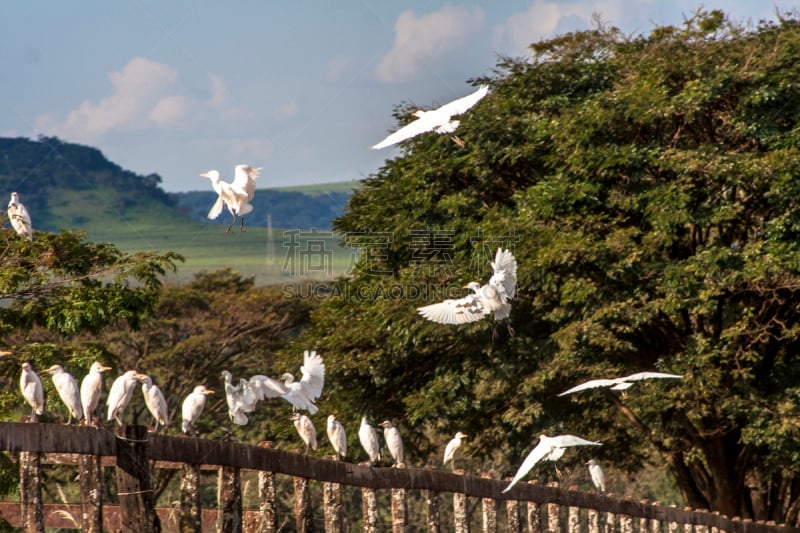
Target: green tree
{"x": 648, "y": 187}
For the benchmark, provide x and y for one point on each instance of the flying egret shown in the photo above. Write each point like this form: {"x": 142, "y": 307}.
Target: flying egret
{"x": 193, "y": 406}
{"x": 620, "y": 384}
{"x": 548, "y": 449}
{"x": 337, "y": 436}
{"x": 451, "y": 449}
{"x": 438, "y": 120}
{"x": 154, "y": 400}
{"x": 68, "y": 391}
{"x": 236, "y": 196}
{"x": 393, "y": 441}
{"x": 241, "y": 398}
{"x": 597, "y": 475}
{"x": 19, "y": 217}
{"x": 369, "y": 440}
{"x": 32, "y": 390}
{"x": 301, "y": 394}
{"x": 305, "y": 427}
{"x": 91, "y": 387}
{"x": 120, "y": 394}
{"x": 490, "y": 298}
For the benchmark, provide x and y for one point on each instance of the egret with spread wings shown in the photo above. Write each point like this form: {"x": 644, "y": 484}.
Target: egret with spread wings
{"x": 301, "y": 394}
{"x": 237, "y": 195}
{"x": 494, "y": 297}
{"x": 548, "y": 449}
{"x": 620, "y": 384}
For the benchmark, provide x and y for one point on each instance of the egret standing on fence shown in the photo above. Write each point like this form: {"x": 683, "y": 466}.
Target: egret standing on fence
{"x": 369, "y": 440}
{"x": 451, "y": 449}
{"x": 393, "y": 441}
{"x": 120, "y": 394}
{"x": 154, "y": 400}
{"x": 597, "y": 475}
{"x": 19, "y": 217}
{"x": 548, "y": 449}
{"x": 241, "y": 399}
{"x": 68, "y": 391}
{"x": 91, "y": 388}
{"x": 236, "y": 196}
{"x": 192, "y": 408}
{"x": 337, "y": 436}
{"x": 32, "y": 390}
{"x": 305, "y": 427}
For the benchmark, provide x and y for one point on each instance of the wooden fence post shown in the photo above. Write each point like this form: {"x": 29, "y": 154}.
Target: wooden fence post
{"x": 30, "y": 492}
{"x": 610, "y": 523}
{"x": 460, "y": 517}
{"x": 302, "y": 506}
{"x": 574, "y": 519}
{"x": 190, "y": 517}
{"x": 91, "y": 485}
{"x": 431, "y": 498}
{"x": 534, "y": 517}
{"x": 136, "y": 506}
{"x": 399, "y": 518}
{"x": 332, "y": 507}
{"x": 593, "y": 517}
{"x": 512, "y": 511}
{"x": 369, "y": 510}
{"x": 489, "y": 509}
{"x": 268, "y": 522}
{"x": 229, "y": 496}
{"x": 625, "y": 524}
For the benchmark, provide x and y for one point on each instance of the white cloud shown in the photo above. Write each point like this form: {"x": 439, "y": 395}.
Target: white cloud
{"x": 169, "y": 109}
{"x": 219, "y": 92}
{"x": 420, "y": 41}
{"x": 289, "y": 109}
{"x": 338, "y": 67}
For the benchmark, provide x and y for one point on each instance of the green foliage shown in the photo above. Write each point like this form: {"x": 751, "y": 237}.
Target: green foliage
{"x": 648, "y": 187}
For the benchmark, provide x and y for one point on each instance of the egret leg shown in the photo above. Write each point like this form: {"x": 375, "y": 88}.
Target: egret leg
{"x": 456, "y": 139}
{"x": 241, "y": 229}
{"x": 228, "y": 229}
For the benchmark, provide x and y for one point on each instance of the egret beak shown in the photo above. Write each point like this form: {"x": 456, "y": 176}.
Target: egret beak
{"x": 208, "y": 391}
{"x": 104, "y": 368}
{"x": 204, "y": 174}
{"x": 5, "y": 352}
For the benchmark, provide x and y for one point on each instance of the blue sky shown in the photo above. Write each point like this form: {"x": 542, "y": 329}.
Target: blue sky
{"x": 301, "y": 89}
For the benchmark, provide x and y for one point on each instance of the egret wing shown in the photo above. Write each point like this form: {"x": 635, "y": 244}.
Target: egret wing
{"x": 267, "y": 387}
{"x": 216, "y": 209}
{"x": 535, "y": 455}
{"x": 244, "y": 180}
{"x": 454, "y": 311}
{"x": 313, "y": 371}
{"x": 592, "y": 384}
{"x": 421, "y": 125}
{"x": 650, "y": 375}
{"x": 461, "y": 105}
{"x": 504, "y": 278}
{"x": 562, "y": 441}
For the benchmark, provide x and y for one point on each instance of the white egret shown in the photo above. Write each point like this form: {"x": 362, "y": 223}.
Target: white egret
{"x": 154, "y": 400}
{"x": 393, "y": 441}
{"x": 337, "y": 436}
{"x": 490, "y": 298}
{"x": 236, "y": 196}
{"x": 305, "y": 427}
{"x": 451, "y": 449}
{"x": 120, "y": 394}
{"x": 91, "y": 388}
{"x": 68, "y": 391}
{"x": 19, "y": 217}
{"x": 597, "y": 475}
{"x": 193, "y": 406}
{"x": 438, "y": 120}
{"x": 301, "y": 394}
{"x": 620, "y": 384}
{"x": 548, "y": 449}
{"x": 241, "y": 399}
{"x": 32, "y": 390}
{"x": 368, "y": 438}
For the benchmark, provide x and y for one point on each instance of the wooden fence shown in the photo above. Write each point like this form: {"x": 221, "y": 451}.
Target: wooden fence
{"x": 133, "y": 452}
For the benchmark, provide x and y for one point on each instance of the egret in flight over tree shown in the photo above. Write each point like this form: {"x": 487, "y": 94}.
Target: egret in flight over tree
{"x": 548, "y": 449}
{"x": 192, "y": 408}
{"x": 19, "y": 217}
{"x": 236, "y": 196}
{"x": 91, "y": 388}
{"x": 301, "y": 394}
{"x": 439, "y": 120}
{"x": 620, "y": 384}
{"x": 32, "y": 390}
{"x": 68, "y": 391}
{"x": 494, "y": 297}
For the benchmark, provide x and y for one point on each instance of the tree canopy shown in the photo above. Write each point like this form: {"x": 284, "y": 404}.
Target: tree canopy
{"x": 649, "y": 189}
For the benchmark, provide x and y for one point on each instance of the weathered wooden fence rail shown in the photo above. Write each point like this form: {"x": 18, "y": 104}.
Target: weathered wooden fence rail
{"x": 131, "y": 450}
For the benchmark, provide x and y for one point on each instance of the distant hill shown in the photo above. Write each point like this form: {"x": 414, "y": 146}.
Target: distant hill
{"x": 66, "y": 185}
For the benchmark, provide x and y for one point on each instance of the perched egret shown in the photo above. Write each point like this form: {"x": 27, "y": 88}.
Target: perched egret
{"x": 438, "y": 120}
{"x": 337, "y": 436}
{"x": 193, "y": 406}
{"x": 490, "y": 298}
{"x": 620, "y": 384}
{"x": 91, "y": 387}
{"x": 154, "y": 400}
{"x": 305, "y": 427}
{"x": 241, "y": 398}
{"x": 120, "y": 394}
{"x": 393, "y": 441}
{"x": 236, "y": 196}
{"x": 451, "y": 449}
{"x": 369, "y": 440}
{"x": 68, "y": 391}
{"x": 548, "y": 449}
{"x": 19, "y": 217}
{"x": 301, "y": 394}
{"x": 32, "y": 390}
{"x": 597, "y": 475}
